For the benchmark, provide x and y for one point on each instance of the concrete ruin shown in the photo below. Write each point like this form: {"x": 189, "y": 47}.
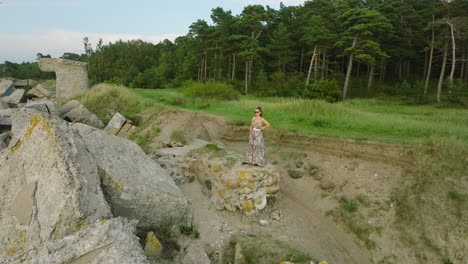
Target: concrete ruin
{"x": 72, "y": 77}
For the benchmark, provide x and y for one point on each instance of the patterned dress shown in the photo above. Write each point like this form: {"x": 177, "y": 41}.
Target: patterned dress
{"x": 256, "y": 153}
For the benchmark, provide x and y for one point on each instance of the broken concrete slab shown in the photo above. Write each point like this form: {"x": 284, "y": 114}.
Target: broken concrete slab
{"x": 74, "y": 111}
{"x": 135, "y": 185}
{"x": 6, "y": 87}
{"x": 66, "y": 194}
{"x": 103, "y": 242}
{"x": 15, "y": 98}
{"x": 39, "y": 91}
{"x": 20, "y": 83}
{"x": 72, "y": 77}
{"x": 43, "y": 106}
{"x": 115, "y": 124}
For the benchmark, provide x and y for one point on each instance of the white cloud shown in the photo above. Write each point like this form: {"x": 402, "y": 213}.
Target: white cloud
{"x": 19, "y": 47}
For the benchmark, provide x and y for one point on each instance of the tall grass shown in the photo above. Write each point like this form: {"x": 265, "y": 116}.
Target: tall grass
{"x": 106, "y": 99}
{"x": 375, "y": 120}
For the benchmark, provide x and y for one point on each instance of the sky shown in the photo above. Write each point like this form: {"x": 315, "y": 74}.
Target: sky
{"x": 28, "y": 27}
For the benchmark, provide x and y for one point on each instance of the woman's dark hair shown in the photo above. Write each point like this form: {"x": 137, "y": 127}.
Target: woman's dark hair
{"x": 259, "y": 109}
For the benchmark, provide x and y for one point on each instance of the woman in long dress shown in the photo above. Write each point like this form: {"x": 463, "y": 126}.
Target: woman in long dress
{"x": 256, "y": 153}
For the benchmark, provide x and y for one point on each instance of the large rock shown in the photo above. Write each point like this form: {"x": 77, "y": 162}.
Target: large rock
{"x": 105, "y": 242}
{"x": 15, "y": 98}
{"x": 49, "y": 187}
{"x": 6, "y": 87}
{"x": 39, "y": 91}
{"x": 135, "y": 185}
{"x": 74, "y": 111}
{"x": 72, "y": 77}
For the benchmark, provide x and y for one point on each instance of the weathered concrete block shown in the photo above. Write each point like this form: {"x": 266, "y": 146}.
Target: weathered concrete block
{"x": 15, "y": 98}
{"x": 20, "y": 83}
{"x": 39, "y": 91}
{"x": 115, "y": 124}
{"x": 48, "y": 189}
{"x": 104, "y": 242}
{"x": 74, "y": 111}
{"x": 5, "y": 87}
{"x": 135, "y": 185}
{"x": 72, "y": 77}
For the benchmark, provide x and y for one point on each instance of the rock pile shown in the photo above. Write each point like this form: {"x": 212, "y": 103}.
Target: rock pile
{"x": 61, "y": 185}
{"x": 230, "y": 184}
{"x": 71, "y": 192}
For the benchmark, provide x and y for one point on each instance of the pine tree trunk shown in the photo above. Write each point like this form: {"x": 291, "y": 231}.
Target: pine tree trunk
{"x": 442, "y": 73}
{"x": 371, "y": 78}
{"x": 382, "y": 71}
{"x": 431, "y": 55}
{"x": 408, "y": 68}
{"x": 228, "y": 75}
{"x": 310, "y": 65}
{"x": 316, "y": 65}
{"x": 454, "y": 59}
{"x": 350, "y": 68}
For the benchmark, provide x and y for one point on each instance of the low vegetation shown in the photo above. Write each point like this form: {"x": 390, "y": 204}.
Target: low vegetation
{"x": 258, "y": 248}
{"x": 433, "y": 201}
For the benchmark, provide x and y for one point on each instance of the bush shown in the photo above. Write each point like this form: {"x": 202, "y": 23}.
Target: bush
{"x": 106, "y": 99}
{"x": 324, "y": 89}
{"x": 211, "y": 90}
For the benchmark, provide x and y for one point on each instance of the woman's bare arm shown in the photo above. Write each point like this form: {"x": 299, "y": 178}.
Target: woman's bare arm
{"x": 266, "y": 123}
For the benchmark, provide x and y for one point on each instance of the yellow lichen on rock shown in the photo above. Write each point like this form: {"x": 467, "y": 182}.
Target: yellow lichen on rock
{"x": 153, "y": 247}
{"x": 118, "y": 185}
{"x": 247, "y": 206}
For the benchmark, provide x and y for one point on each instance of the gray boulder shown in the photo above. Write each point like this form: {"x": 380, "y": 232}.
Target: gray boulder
{"x": 15, "y": 98}
{"x": 39, "y": 91}
{"x": 134, "y": 185}
{"x": 74, "y": 111}
{"x": 104, "y": 242}
{"x": 48, "y": 187}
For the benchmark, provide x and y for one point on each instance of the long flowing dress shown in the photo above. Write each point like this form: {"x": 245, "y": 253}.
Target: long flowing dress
{"x": 256, "y": 153}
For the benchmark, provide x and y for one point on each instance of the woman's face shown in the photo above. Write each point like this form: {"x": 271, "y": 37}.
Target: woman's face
{"x": 257, "y": 112}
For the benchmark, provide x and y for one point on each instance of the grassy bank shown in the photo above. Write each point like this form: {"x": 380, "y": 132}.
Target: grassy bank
{"x": 374, "y": 120}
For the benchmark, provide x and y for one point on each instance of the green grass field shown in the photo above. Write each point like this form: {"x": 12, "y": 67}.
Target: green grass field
{"x": 361, "y": 119}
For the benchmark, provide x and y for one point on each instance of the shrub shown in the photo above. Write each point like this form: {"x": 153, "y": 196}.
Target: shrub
{"x": 211, "y": 90}
{"x": 324, "y": 89}
{"x": 106, "y": 99}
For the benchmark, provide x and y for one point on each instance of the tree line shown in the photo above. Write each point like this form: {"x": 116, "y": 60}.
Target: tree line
{"x": 354, "y": 47}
